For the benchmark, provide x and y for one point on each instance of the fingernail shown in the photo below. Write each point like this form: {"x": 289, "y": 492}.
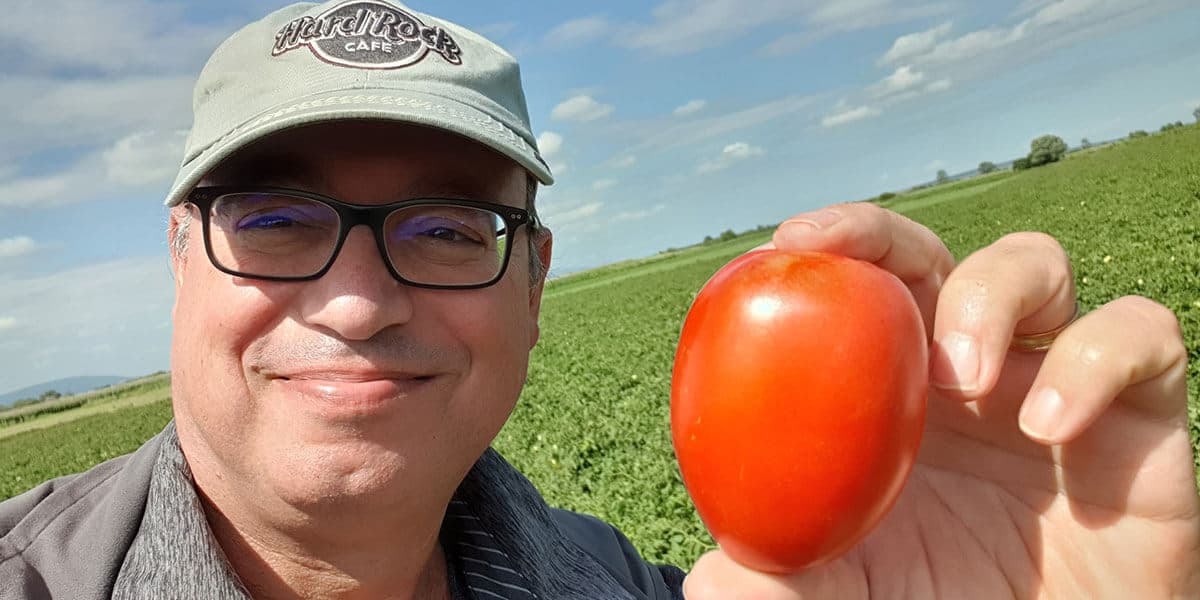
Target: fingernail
{"x": 1042, "y": 415}
{"x": 820, "y": 219}
{"x": 958, "y": 367}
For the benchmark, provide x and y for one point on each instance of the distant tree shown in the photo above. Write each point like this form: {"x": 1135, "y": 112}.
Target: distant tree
{"x": 1085, "y": 144}
{"x": 986, "y": 167}
{"x": 49, "y": 395}
{"x": 727, "y": 235}
{"x": 1196, "y": 113}
{"x": 1021, "y": 164}
{"x": 942, "y": 177}
{"x": 884, "y": 197}
{"x": 1046, "y": 149}
{"x": 708, "y": 239}
{"x": 1138, "y": 134}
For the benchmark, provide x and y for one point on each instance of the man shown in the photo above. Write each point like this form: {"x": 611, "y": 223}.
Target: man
{"x": 359, "y": 269}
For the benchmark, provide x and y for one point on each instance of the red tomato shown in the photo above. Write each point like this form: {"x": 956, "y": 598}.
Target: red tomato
{"x": 797, "y": 404}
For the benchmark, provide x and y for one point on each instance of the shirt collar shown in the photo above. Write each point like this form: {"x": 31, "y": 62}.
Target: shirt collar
{"x": 498, "y": 532}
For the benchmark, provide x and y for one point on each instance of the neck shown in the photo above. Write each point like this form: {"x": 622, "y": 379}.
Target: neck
{"x": 346, "y": 559}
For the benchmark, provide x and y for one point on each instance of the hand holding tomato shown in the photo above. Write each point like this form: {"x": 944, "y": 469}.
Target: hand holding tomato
{"x": 1064, "y": 474}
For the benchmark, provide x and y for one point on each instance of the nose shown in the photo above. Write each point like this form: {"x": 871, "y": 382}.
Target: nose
{"x": 357, "y": 298}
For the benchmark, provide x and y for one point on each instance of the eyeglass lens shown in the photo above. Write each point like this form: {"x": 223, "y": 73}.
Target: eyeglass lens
{"x": 277, "y": 235}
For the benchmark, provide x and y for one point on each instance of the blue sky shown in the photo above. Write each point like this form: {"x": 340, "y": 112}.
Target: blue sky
{"x": 665, "y": 121}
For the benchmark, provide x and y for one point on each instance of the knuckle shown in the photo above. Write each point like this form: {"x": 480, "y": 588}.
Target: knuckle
{"x": 1033, "y": 239}
{"x": 1021, "y": 248}
{"x": 1161, "y": 322}
{"x": 875, "y": 217}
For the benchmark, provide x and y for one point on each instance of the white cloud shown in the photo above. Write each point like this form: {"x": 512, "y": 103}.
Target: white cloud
{"x": 7, "y": 323}
{"x": 792, "y": 43}
{"x": 936, "y": 165}
{"x": 847, "y": 14}
{"x": 637, "y": 215}
{"x": 581, "y": 108}
{"x": 690, "y": 108}
{"x": 136, "y": 161}
{"x": 742, "y": 150}
{"x": 624, "y": 162}
{"x": 114, "y": 69}
{"x": 1064, "y": 10}
{"x": 912, "y": 45}
{"x": 16, "y": 246}
{"x": 902, "y": 80}
{"x": 1050, "y": 24}
{"x": 603, "y": 184}
{"x": 1030, "y": 6}
{"x": 730, "y": 154}
{"x": 565, "y": 216}
{"x": 686, "y": 26}
{"x": 934, "y": 60}
{"x": 974, "y": 44}
{"x": 940, "y": 85}
{"x": 29, "y": 192}
{"x": 145, "y": 157}
{"x": 578, "y": 31}
{"x": 850, "y": 115}
{"x": 550, "y": 146}
{"x": 115, "y": 36}
{"x": 672, "y": 133}
{"x": 89, "y": 112}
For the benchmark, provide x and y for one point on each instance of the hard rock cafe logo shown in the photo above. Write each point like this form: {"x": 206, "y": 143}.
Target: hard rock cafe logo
{"x": 367, "y": 34}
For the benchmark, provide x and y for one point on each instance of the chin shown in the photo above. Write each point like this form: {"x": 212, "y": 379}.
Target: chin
{"x": 330, "y": 476}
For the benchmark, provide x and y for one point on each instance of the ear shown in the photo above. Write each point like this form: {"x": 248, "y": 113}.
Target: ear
{"x": 179, "y": 225}
{"x": 543, "y": 244}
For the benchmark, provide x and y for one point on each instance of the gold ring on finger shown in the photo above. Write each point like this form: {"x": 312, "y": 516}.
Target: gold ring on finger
{"x": 1041, "y": 342}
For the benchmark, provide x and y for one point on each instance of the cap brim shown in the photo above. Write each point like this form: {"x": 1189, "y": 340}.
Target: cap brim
{"x": 383, "y": 104}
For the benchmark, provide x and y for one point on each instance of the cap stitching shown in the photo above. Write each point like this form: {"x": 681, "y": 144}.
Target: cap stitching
{"x": 487, "y": 122}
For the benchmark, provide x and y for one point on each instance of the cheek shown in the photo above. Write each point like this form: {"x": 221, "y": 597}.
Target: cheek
{"x": 493, "y": 326}
{"x": 215, "y": 320}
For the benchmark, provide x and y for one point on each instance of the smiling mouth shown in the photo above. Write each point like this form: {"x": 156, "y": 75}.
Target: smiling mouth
{"x": 350, "y": 379}
{"x": 342, "y": 395}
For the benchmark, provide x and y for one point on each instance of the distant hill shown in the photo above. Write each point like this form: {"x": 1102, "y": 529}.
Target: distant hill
{"x": 67, "y": 386}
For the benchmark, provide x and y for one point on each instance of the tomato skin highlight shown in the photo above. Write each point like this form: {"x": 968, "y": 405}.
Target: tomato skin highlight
{"x": 797, "y": 404}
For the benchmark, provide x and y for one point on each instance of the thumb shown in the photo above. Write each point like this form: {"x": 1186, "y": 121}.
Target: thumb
{"x": 717, "y": 577}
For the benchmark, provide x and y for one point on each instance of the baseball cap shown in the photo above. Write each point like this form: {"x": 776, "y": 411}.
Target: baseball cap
{"x": 355, "y": 59}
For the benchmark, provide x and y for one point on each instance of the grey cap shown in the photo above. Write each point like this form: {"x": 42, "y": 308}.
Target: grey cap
{"x": 355, "y": 59}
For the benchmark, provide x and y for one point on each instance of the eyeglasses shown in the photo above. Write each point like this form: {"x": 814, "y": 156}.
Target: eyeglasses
{"x": 278, "y": 234}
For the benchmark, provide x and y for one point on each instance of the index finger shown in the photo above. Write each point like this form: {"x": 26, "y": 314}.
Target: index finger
{"x": 895, "y": 243}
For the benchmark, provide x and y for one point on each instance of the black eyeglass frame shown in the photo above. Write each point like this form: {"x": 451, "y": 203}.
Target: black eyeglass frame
{"x": 351, "y": 215}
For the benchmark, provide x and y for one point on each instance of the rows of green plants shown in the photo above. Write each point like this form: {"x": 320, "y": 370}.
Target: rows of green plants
{"x": 30, "y": 458}
{"x": 591, "y": 430}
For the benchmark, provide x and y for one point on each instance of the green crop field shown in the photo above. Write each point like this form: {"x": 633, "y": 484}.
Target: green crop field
{"x": 591, "y": 429}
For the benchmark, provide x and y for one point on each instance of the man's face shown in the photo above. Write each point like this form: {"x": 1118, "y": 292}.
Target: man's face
{"x": 353, "y": 386}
